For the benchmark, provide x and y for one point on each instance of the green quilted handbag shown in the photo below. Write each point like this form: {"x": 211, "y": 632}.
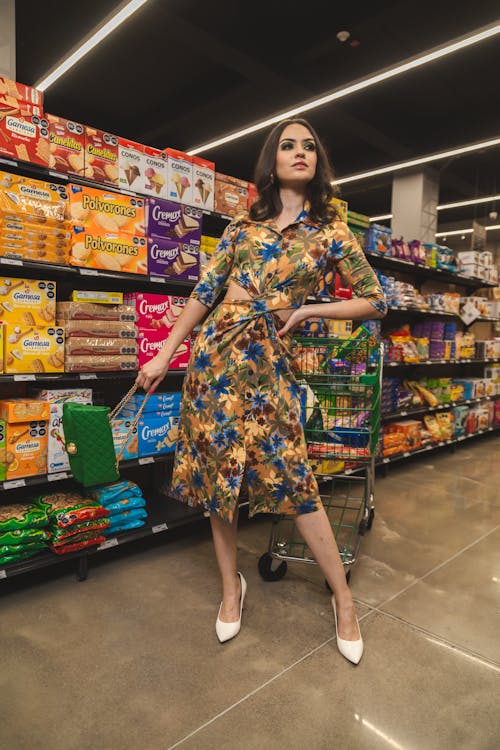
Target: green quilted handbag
{"x": 89, "y": 440}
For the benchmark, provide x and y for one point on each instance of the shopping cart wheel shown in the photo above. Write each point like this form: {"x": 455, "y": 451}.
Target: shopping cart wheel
{"x": 370, "y": 519}
{"x": 272, "y": 569}
{"x": 347, "y": 577}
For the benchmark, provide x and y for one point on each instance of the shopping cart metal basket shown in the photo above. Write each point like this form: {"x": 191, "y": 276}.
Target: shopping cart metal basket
{"x": 341, "y": 385}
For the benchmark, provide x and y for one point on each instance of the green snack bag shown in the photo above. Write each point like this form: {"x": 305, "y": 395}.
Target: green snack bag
{"x": 22, "y": 516}
{"x": 20, "y": 536}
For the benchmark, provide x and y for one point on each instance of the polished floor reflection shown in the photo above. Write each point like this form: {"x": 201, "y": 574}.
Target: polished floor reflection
{"x": 129, "y": 659}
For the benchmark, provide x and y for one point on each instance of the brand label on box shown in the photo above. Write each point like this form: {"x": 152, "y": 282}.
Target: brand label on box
{"x": 111, "y": 252}
{"x": 35, "y": 349}
{"x": 203, "y": 183}
{"x": 27, "y": 302}
{"x": 171, "y": 258}
{"x": 101, "y": 156}
{"x": 156, "y": 310}
{"x": 25, "y": 200}
{"x": 67, "y": 145}
{"x": 130, "y": 164}
{"x": 24, "y": 135}
{"x": 172, "y": 221}
{"x": 155, "y": 179}
{"x": 156, "y": 435}
{"x": 25, "y": 449}
{"x": 150, "y": 342}
{"x": 105, "y": 211}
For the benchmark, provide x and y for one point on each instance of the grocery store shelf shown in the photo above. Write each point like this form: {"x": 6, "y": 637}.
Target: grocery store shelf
{"x": 398, "y": 264}
{"x": 383, "y": 461}
{"x": 44, "y": 377}
{"x": 164, "y": 514}
{"x": 439, "y": 362}
{"x": 60, "y": 476}
{"x": 429, "y": 409}
{"x": 437, "y": 313}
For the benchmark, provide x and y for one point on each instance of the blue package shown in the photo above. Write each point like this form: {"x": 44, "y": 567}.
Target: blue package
{"x": 109, "y": 493}
{"x": 127, "y": 503}
{"x": 156, "y": 402}
{"x": 128, "y": 526}
{"x": 157, "y": 434}
{"x": 116, "y": 519}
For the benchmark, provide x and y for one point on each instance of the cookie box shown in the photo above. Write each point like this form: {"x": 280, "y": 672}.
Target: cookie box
{"x": 34, "y": 349}
{"x": 23, "y": 409}
{"x": 25, "y": 451}
{"x": 151, "y": 341}
{"x": 120, "y": 429}
{"x": 101, "y": 156}
{"x": 27, "y": 302}
{"x": 110, "y": 252}
{"x": 28, "y": 200}
{"x": 66, "y": 145}
{"x": 156, "y": 310}
{"x": 157, "y": 434}
{"x": 105, "y": 211}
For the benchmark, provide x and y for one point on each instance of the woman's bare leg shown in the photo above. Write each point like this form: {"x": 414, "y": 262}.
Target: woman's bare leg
{"x": 317, "y": 532}
{"x": 225, "y": 536}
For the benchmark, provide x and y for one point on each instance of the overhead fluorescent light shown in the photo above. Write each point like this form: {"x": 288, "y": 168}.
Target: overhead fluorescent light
{"x": 84, "y": 47}
{"x": 420, "y": 160}
{"x": 473, "y": 202}
{"x": 384, "y": 217}
{"x": 465, "y": 231}
{"x": 466, "y": 41}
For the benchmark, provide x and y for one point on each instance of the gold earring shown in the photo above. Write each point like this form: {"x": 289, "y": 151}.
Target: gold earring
{"x": 272, "y": 176}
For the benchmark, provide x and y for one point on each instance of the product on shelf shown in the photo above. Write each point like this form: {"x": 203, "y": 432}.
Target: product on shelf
{"x": 171, "y": 258}
{"x": 12, "y": 92}
{"x": 203, "y": 183}
{"x": 100, "y": 328}
{"x": 127, "y": 447}
{"x": 89, "y": 345}
{"x": 101, "y": 156}
{"x": 156, "y": 315}
{"x": 378, "y": 239}
{"x": 24, "y": 131}
{"x": 151, "y": 340}
{"x": 180, "y": 176}
{"x": 168, "y": 403}
{"x": 33, "y": 349}
{"x": 157, "y": 434}
{"x": 252, "y": 195}
{"x": 174, "y": 234}
{"x": 23, "y": 448}
{"x": 27, "y": 302}
{"x": 106, "y": 211}
{"x": 154, "y": 180}
{"x": 98, "y": 297}
{"x": 411, "y": 431}
{"x": 17, "y": 410}
{"x": 75, "y": 522}
{"x": 109, "y": 252}
{"x": 207, "y": 249}
{"x": 125, "y": 503}
{"x": 27, "y": 201}
{"x": 359, "y": 225}
{"x": 130, "y": 165}
{"x": 341, "y": 207}
{"x": 22, "y": 533}
{"x": 100, "y": 363}
{"x": 231, "y": 194}
{"x": 83, "y": 311}
{"x": 67, "y": 145}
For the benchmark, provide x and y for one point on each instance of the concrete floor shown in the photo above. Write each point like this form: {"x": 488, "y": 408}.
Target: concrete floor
{"x": 129, "y": 659}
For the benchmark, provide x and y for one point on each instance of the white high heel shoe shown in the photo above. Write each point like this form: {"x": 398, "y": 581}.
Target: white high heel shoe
{"x": 352, "y": 650}
{"x": 227, "y": 630}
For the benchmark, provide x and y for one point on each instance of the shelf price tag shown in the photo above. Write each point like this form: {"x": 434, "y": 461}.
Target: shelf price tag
{"x": 89, "y": 272}
{"x": 12, "y": 262}
{"x": 403, "y": 413}
{"x": 386, "y": 460}
{"x": 109, "y": 543}
{"x": 57, "y": 476}
{"x": 3, "y": 574}
{"x": 23, "y": 378}
{"x": 406, "y": 454}
{"x": 158, "y": 279}
{"x": 146, "y": 460}
{"x": 88, "y": 376}
{"x": 14, "y": 483}
{"x": 159, "y": 527}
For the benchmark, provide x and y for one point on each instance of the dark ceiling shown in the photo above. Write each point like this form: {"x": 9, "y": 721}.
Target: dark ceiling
{"x": 179, "y": 73}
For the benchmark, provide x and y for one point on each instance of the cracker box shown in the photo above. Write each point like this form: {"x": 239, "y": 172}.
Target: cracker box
{"x": 46, "y": 252}
{"x": 16, "y": 410}
{"x": 66, "y": 145}
{"x": 170, "y": 258}
{"x": 25, "y": 449}
{"x": 101, "y": 156}
{"x": 106, "y": 211}
{"x": 180, "y": 176}
{"x": 151, "y": 341}
{"x": 34, "y": 349}
{"x": 108, "y": 251}
{"x": 231, "y": 198}
{"x": 172, "y": 221}
{"x": 157, "y": 435}
{"x": 27, "y": 302}
{"x": 203, "y": 183}
{"x": 156, "y": 310}
{"x": 130, "y": 164}
{"x": 155, "y": 174}
{"x": 12, "y": 90}
{"x": 120, "y": 429}
{"x": 24, "y": 134}
{"x": 411, "y": 429}
{"x": 24, "y": 200}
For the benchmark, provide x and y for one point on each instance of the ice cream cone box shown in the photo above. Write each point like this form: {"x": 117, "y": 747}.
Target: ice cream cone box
{"x": 157, "y": 434}
{"x": 27, "y": 302}
{"x": 12, "y": 90}
{"x": 109, "y": 251}
{"x": 120, "y": 429}
{"x": 180, "y": 260}
{"x": 24, "y": 200}
{"x": 25, "y": 451}
{"x": 172, "y": 221}
{"x": 230, "y": 198}
{"x": 34, "y": 349}
{"x": 155, "y": 173}
{"x": 24, "y": 410}
{"x": 411, "y": 429}
{"x": 180, "y": 176}
{"x": 130, "y": 164}
{"x": 156, "y": 310}
{"x": 106, "y": 211}
{"x": 66, "y": 145}
{"x": 203, "y": 183}
{"x": 151, "y": 341}
{"x": 101, "y": 156}
{"x": 24, "y": 133}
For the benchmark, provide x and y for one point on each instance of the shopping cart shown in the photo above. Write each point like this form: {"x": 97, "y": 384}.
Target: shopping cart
{"x": 340, "y": 383}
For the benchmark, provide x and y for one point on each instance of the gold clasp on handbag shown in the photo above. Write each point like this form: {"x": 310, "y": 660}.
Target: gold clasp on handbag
{"x": 71, "y": 449}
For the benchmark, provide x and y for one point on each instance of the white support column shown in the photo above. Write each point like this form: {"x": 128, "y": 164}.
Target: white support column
{"x": 414, "y": 205}
{"x": 8, "y": 39}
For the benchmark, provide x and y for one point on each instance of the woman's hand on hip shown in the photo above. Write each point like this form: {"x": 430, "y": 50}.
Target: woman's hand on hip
{"x": 152, "y": 373}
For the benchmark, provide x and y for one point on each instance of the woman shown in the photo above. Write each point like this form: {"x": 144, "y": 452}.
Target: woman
{"x": 240, "y": 409}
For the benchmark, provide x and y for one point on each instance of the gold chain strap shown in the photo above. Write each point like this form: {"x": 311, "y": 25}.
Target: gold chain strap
{"x": 116, "y": 411}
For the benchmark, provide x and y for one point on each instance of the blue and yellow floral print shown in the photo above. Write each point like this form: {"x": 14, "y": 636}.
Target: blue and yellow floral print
{"x": 240, "y": 411}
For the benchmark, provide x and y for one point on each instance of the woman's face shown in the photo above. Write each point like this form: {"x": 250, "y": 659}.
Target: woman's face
{"x": 296, "y": 157}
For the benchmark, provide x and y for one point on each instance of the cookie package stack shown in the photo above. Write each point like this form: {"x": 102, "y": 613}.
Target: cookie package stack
{"x": 124, "y": 502}
{"x": 33, "y": 222}
{"x": 101, "y": 333}
{"x": 29, "y": 339}
{"x": 23, "y": 531}
{"x": 23, "y": 438}
{"x": 75, "y": 522}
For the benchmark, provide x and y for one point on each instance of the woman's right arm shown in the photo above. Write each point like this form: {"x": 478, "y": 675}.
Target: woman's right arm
{"x": 202, "y": 297}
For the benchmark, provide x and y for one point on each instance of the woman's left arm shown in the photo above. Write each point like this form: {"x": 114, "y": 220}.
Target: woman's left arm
{"x": 369, "y": 301}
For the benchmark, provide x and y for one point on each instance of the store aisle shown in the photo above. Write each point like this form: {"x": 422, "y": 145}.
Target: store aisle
{"x": 129, "y": 658}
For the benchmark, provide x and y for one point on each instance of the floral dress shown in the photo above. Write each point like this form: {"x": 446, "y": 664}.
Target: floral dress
{"x": 240, "y": 411}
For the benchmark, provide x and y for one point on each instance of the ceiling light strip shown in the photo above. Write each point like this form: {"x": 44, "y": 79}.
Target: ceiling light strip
{"x": 416, "y": 62}
{"x": 473, "y": 202}
{"x": 88, "y": 45}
